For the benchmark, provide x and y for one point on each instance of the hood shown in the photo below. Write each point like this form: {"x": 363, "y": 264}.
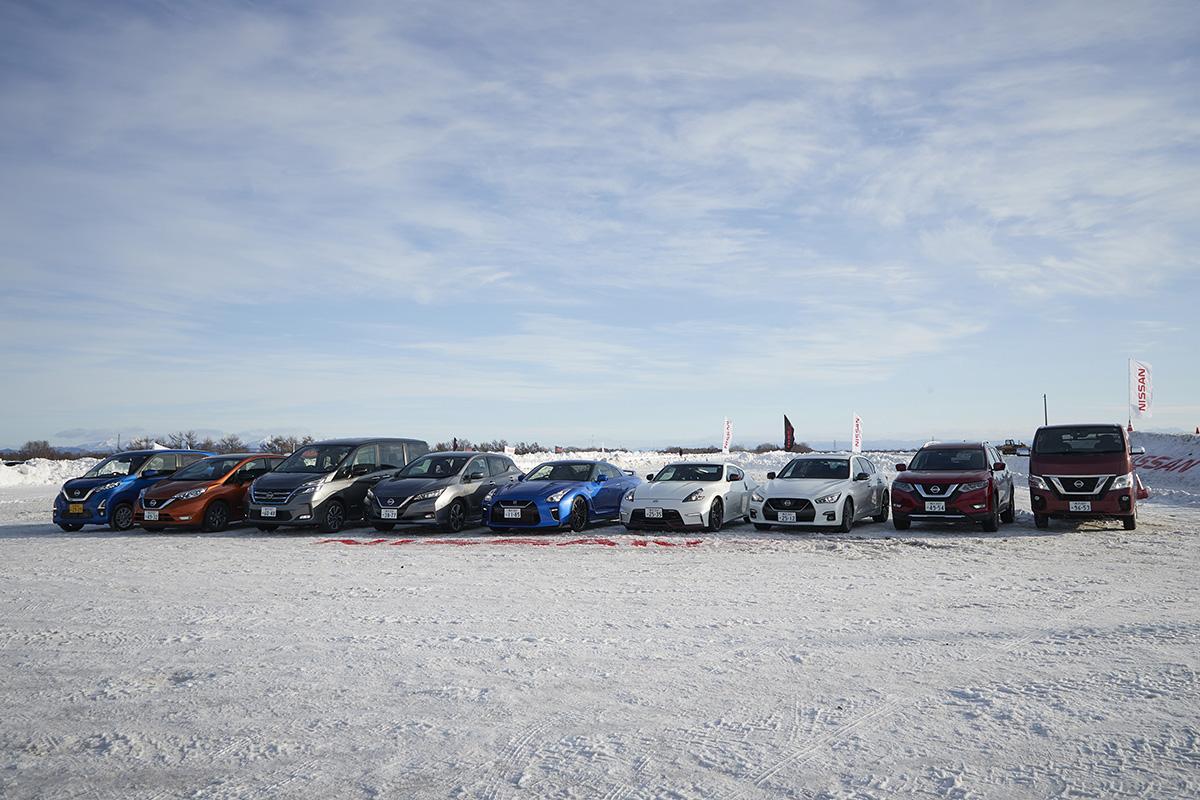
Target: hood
{"x": 943, "y": 476}
{"x": 805, "y": 487}
{"x": 77, "y": 488}
{"x": 286, "y": 481}
{"x": 535, "y": 490}
{"x": 1099, "y": 464}
{"x": 407, "y": 487}
{"x": 168, "y": 488}
{"x": 675, "y": 490}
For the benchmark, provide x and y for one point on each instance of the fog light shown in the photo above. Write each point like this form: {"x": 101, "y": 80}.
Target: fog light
{"x": 753, "y": 514}
{"x": 184, "y": 519}
{"x": 304, "y": 516}
{"x": 979, "y": 506}
{"x": 429, "y": 516}
{"x": 1039, "y": 502}
{"x": 829, "y": 515}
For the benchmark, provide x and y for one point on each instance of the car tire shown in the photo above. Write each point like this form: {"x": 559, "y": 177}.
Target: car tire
{"x": 456, "y": 518}
{"x": 847, "y": 517}
{"x": 70, "y": 527}
{"x": 333, "y": 518}
{"x": 1041, "y": 521}
{"x": 577, "y": 520}
{"x": 884, "y": 507}
{"x": 216, "y": 517}
{"x": 268, "y": 528}
{"x": 759, "y": 526}
{"x": 716, "y": 516}
{"x": 1130, "y": 522}
{"x": 1009, "y": 515}
{"x": 901, "y": 523}
{"x": 992, "y": 523}
{"x": 121, "y": 518}
{"x": 384, "y": 527}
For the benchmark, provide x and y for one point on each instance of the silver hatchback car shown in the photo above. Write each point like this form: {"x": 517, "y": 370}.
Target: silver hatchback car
{"x": 442, "y": 489}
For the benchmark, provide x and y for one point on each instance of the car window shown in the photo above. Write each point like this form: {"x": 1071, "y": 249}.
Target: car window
{"x": 499, "y": 465}
{"x": 391, "y": 455}
{"x": 414, "y": 450}
{"x": 477, "y": 464}
{"x": 735, "y": 474}
{"x": 945, "y": 458}
{"x": 561, "y": 472}
{"x": 189, "y": 458}
{"x": 259, "y": 466}
{"x": 169, "y": 462}
{"x": 611, "y": 472}
{"x": 364, "y": 455}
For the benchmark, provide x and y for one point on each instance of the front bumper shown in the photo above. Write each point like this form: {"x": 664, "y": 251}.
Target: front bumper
{"x": 96, "y": 510}
{"x": 974, "y": 506}
{"x": 808, "y": 513}
{"x": 534, "y": 514}
{"x": 177, "y": 514}
{"x": 296, "y": 511}
{"x": 674, "y": 517}
{"x": 1113, "y": 503}
{"x": 422, "y": 512}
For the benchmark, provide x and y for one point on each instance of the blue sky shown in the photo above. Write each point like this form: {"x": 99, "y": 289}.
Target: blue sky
{"x": 622, "y": 221}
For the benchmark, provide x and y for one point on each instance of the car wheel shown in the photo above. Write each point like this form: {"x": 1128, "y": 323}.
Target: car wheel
{"x": 1041, "y": 521}
{"x": 716, "y": 516}
{"x": 122, "y": 517}
{"x": 901, "y": 523}
{"x": 456, "y": 517}
{"x": 578, "y": 518}
{"x": 885, "y": 506}
{"x": 758, "y": 526}
{"x": 1130, "y": 522}
{"x": 216, "y": 517}
{"x": 1009, "y": 515}
{"x": 153, "y": 528}
{"x": 847, "y": 516}
{"x": 992, "y": 523}
{"x": 268, "y": 528}
{"x": 333, "y": 518}
{"x": 70, "y": 527}
{"x": 384, "y": 527}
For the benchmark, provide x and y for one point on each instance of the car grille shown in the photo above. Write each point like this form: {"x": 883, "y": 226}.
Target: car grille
{"x": 270, "y": 496}
{"x": 670, "y": 519}
{"x": 936, "y": 491}
{"x": 803, "y": 508}
{"x": 1078, "y": 484}
{"x": 529, "y": 513}
{"x": 150, "y": 502}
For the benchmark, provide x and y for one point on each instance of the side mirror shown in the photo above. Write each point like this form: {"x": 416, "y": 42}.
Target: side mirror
{"x": 770, "y": 476}
{"x": 862, "y": 476}
{"x": 650, "y": 476}
{"x": 901, "y": 467}
{"x": 473, "y": 476}
{"x": 1137, "y": 451}
{"x": 998, "y": 466}
{"x": 520, "y": 477}
{"x": 358, "y": 470}
{"x": 601, "y": 478}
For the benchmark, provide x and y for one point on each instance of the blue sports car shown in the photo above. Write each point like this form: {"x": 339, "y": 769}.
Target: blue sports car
{"x": 559, "y": 494}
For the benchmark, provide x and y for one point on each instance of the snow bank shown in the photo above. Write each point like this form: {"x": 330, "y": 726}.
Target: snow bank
{"x": 1171, "y": 466}
{"x": 44, "y": 472}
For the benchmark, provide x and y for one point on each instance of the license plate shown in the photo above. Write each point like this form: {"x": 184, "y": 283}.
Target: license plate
{"x": 266, "y": 512}
{"x": 75, "y": 508}
{"x": 653, "y": 513}
{"x": 1081, "y": 505}
{"x": 387, "y": 513}
{"x": 512, "y": 513}
{"x": 151, "y": 516}
{"x": 787, "y": 516}
{"x": 935, "y": 505}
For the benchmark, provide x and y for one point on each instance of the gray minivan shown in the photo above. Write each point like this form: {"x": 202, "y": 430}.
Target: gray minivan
{"x": 325, "y": 483}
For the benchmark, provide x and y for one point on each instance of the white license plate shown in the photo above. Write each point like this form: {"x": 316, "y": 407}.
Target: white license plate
{"x": 1080, "y": 505}
{"x": 653, "y": 513}
{"x": 512, "y": 513}
{"x": 387, "y": 513}
{"x": 151, "y": 516}
{"x": 267, "y": 512}
{"x": 935, "y": 505}
{"x": 787, "y": 516}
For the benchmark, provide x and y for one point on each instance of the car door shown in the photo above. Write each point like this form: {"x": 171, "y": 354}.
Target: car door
{"x": 364, "y": 473}
{"x": 607, "y": 501}
{"x": 503, "y": 470}
{"x": 1003, "y": 478}
{"x": 242, "y": 479}
{"x": 862, "y": 491}
{"x": 878, "y": 486}
{"x": 477, "y": 489}
{"x": 736, "y": 496}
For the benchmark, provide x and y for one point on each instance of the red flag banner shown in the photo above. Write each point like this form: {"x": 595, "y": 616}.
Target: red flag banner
{"x": 789, "y": 434}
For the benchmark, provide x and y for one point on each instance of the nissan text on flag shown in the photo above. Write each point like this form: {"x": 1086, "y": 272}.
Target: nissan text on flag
{"x": 1083, "y": 472}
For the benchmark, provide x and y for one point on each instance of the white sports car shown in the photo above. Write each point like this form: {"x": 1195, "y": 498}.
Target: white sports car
{"x": 689, "y": 495}
{"x": 821, "y": 490}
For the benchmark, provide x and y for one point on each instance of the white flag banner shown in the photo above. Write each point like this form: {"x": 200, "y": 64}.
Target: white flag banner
{"x": 728, "y": 436}
{"x": 1141, "y": 389}
{"x": 856, "y": 435}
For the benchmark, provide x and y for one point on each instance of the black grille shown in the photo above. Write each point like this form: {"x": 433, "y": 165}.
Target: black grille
{"x": 529, "y": 514}
{"x": 671, "y": 519}
{"x": 271, "y": 496}
{"x": 803, "y": 508}
{"x": 1079, "y": 485}
{"x": 150, "y": 502}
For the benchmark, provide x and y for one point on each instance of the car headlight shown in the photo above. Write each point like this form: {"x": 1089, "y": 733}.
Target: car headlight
{"x": 371, "y": 493}
{"x": 432, "y": 493}
{"x": 629, "y": 496}
{"x": 308, "y": 488}
{"x": 830, "y": 498}
{"x": 1123, "y": 481}
{"x": 694, "y": 496}
{"x": 903, "y": 486}
{"x": 190, "y": 494}
{"x": 108, "y": 486}
{"x": 487, "y": 498}
{"x": 756, "y": 497}
{"x": 1038, "y": 482}
{"x": 554, "y": 498}
{"x": 972, "y": 486}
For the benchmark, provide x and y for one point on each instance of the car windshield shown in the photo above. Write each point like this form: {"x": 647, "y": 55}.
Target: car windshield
{"x": 1082, "y": 440}
{"x": 560, "y": 472}
{"x": 207, "y": 469}
{"x": 116, "y": 465}
{"x": 826, "y": 468}
{"x": 690, "y": 472}
{"x": 434, "y": 467}
{"x": 317, "y": 459}
{"x": 945, "y": 458}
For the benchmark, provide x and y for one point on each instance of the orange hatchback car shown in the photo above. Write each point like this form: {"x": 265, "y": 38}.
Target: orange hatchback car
{"x": 208, "y": 494}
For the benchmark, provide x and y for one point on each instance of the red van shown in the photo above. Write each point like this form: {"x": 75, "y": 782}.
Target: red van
{"x": 1083, "y": 472}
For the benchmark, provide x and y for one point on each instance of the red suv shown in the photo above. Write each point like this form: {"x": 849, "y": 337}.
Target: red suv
{"x": 965, "y": 482}
{"x": 1083, "y": 472}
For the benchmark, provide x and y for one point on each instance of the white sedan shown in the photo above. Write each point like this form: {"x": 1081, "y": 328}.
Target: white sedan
{"x": 697, "y": 495}
{"x": 821, "y": 490}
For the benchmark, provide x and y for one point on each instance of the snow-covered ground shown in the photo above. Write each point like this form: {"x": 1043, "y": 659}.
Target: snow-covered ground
{"x": 941, "y": 663}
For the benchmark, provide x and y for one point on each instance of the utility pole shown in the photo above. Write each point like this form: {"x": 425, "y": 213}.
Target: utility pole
{"x": 1045, "y": 411}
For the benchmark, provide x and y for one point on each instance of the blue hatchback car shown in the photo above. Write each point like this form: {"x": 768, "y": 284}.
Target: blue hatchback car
{"x": 560, "y": 494}
{"x": 106, "y": 493}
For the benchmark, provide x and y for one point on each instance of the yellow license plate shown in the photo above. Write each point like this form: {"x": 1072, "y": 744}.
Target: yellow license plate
{"x": 75, "y": 508}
